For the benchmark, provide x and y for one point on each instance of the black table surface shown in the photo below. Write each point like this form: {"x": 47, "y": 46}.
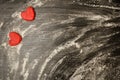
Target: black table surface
{"x": 68, "y": 40}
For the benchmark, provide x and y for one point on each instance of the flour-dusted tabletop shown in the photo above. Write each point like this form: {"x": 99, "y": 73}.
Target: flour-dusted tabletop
{"x": 67, "y": 40}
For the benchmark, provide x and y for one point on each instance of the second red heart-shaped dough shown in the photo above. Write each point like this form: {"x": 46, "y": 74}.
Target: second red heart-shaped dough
{"x": 28, "y": 14}
{"x": 14, "y": 38}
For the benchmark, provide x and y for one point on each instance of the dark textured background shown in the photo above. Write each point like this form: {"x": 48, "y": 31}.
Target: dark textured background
{"x": 68, "y": 40}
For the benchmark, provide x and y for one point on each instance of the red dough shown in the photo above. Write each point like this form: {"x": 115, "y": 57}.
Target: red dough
{"x": 28, "y": 14}
{"x": 15, "y": 38}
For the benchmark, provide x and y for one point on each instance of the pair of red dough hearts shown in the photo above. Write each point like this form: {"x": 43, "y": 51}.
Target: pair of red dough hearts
{"x": 28, "y": 15}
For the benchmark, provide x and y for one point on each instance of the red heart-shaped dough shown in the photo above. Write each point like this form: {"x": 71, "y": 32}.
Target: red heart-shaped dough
{"x": 28, "y": 14}
{"x": 15, "y": 38}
